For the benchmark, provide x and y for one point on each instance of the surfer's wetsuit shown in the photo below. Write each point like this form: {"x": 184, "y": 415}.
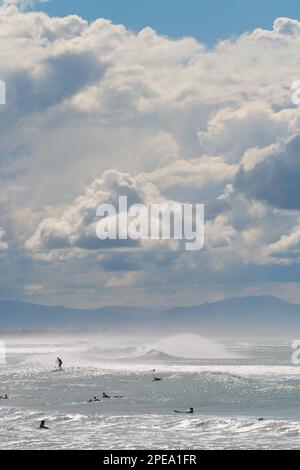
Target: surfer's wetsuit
{"x": 42, "y": 425}
{"x": 59, "y": 363}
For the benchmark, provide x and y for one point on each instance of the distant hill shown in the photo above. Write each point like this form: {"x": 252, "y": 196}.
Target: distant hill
{"x": 254, "y": 314}
{"x": 22, "y": 315}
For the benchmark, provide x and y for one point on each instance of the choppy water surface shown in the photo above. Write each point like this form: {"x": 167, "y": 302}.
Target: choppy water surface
{"x": 229, "y": 390}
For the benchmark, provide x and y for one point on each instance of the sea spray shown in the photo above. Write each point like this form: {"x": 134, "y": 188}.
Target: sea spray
{"x": 191, "y": 347}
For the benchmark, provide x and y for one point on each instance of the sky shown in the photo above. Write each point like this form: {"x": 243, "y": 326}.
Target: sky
{"x": 206, "y": 20}
{"x": 129, "y": 102}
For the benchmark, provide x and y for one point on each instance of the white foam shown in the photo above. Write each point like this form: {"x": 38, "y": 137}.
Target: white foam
{"x": 191, "y": 347}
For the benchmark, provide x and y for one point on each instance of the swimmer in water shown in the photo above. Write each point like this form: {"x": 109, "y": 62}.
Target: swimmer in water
{"x": 93, "y": 399}
{"x": 190, "y": 411}
{"x": 104, "y": 395}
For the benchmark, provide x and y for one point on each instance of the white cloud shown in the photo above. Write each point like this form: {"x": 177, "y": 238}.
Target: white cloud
{"x": 75, "y": 227}
{"x": 176, "y": 121}
{"x": 286, "y": 250}
{"x": 3, "y": 242}
{"x": 232, "y": 132}
{"x": 21, "y": 4}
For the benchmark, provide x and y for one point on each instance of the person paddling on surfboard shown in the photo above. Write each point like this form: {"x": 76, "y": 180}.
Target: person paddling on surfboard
{"x": 42, "y": 425}
{"x": 190, "y": 411}
{"x": 59, "y": 363}
{"x": 92, "y": 400}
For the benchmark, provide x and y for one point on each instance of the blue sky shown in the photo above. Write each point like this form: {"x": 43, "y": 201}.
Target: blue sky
{"x": 208, "y": 20}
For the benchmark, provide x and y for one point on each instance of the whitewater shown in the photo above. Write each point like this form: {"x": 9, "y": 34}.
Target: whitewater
{"x": 228, "y": 383}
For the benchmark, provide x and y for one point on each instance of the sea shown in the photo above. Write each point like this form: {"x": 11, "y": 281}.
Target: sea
{"x": 231, "y": 384}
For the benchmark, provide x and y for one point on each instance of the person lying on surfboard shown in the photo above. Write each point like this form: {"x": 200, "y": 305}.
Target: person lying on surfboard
{"x": 190, "y": 411}
{"x": 42, "y": 425}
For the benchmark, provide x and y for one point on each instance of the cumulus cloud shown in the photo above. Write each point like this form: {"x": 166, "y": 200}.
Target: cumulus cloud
{"x": 195, "y": 179}
{"x": 3, "y": 242}
{"x": 231, "y": 132}
{"x": 275, "y": 180}
{"x": 76, "y": 227}
{"x": 21, "y": 4}
{"x": 177, "y": 122}
{"x": 56, "y": 79}
{"x": 282, "y": 28}
{"x": 287, "y": 244}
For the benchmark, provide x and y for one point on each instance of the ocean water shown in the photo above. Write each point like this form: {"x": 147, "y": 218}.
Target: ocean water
{"x": 229, "y": 384}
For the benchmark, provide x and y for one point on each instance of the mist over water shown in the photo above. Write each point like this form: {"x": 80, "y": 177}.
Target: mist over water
{"x": 96, "y": 350}
{"x": 191, "y": 347}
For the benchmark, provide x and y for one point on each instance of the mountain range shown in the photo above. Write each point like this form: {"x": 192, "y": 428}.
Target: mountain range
{"x": 253, "y": 314}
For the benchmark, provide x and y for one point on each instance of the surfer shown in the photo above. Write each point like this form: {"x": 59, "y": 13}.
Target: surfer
{"x": 42, "y": 425}
{"x": 93, "y": 400}
{"x": 5, "y": 397}
{"x": 59, "y": 363}
{"x": 190, "y": 411}
{"x": 156, "y": 379}
{"x": 104, "y": 395}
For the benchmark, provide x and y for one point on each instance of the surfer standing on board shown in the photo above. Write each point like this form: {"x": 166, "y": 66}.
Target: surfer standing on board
{"x": 190, "y": 411}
